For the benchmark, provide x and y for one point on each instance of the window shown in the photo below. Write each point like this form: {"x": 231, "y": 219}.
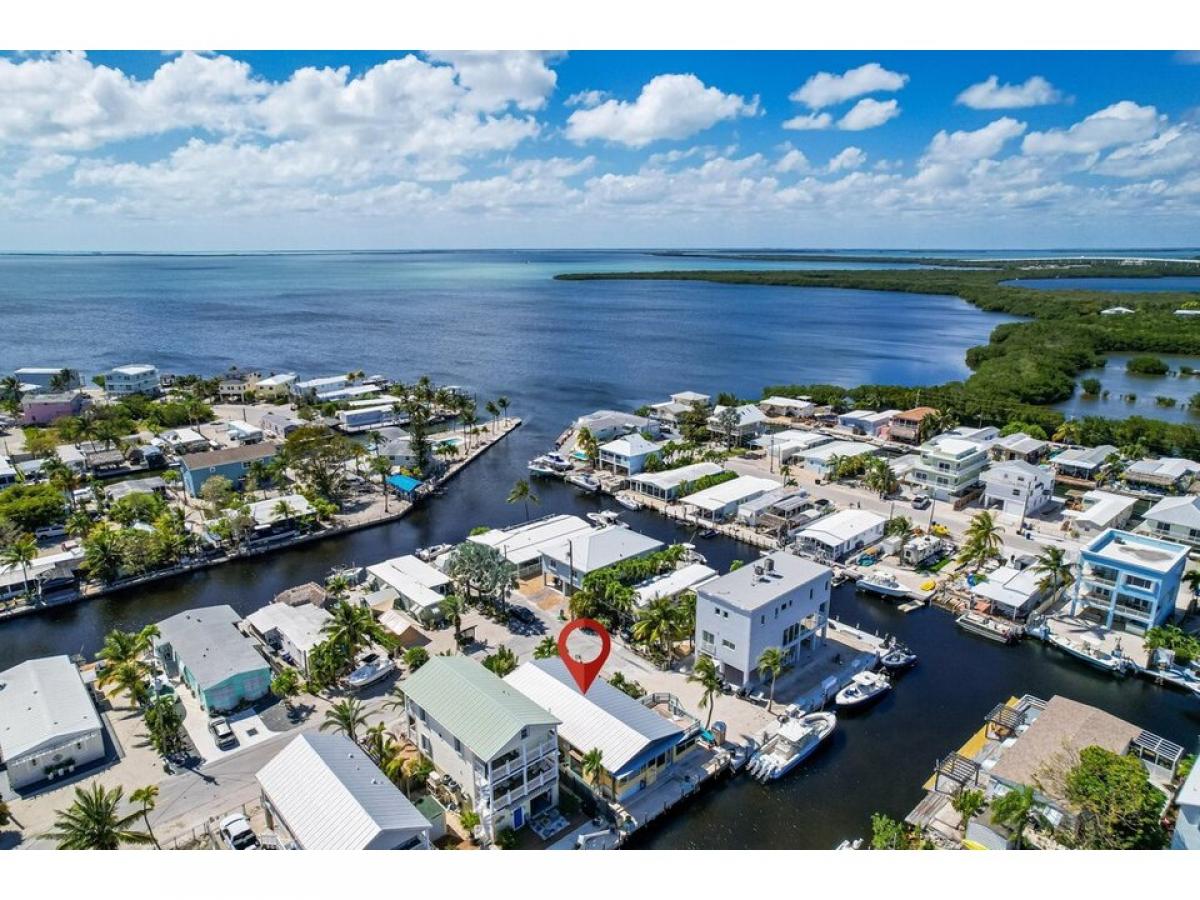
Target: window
{"x": 1144, "y": 584}
{"x": 457, "y": 746}
{"x": 791, "y": 633}
{"x": 728, "y": 644}
{"x": 706, "y": 637}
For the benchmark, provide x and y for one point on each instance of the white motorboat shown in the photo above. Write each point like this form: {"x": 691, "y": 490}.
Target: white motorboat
{"x": 605, "y": 518}
{"x": 692, "y": 555}
{"x": 541, "y": 466}
{"x": 1094, "y": 656}
{"x": 991, "y": 628}
{"x": 557, "y": 461}
{"x": 864, "y": 688}
{"x": 428, "y": 554}
{"x": 882, "y": 583}
{"x": 795, "y": 741}
{"x": 584, "y": 482}
{"x": 1179, "y": 677}
{"x": 628, "y": 502}
{"x": 896, "y": 658}
{"x": 375, "y": 667}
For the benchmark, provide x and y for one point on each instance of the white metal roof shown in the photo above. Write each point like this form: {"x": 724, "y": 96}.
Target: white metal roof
{"x": 43, "y": 703}
{"x": 672, "y": 478}
{"x": 1101, "y": 508}
{"x": 1011, "y": 588}
{"x": 1182, "y": 511}
{"x": 522, "y": 544}
{"x": 332, "y": 797}
{"x": 1168, "y": 467}
{"x": 601, "y": 547}
{"x": 736, "y": 490}
{"x": 415, "y": 580}
{"x": 843, "y": 526}
{"x": 264, "y": 512}
{"x": 748, "y": 589}
{"x": 632, "y": 445}
{"x": 824, "y": 452}
{"x": 604, "y": 718}
{"x": 1084, "y": 457}
{"x": 301, "y": 625}
{"x": 673, "y": 582}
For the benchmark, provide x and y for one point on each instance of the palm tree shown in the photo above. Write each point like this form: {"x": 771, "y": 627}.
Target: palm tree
{"x": 352, "y": 628}
{"x": 453, "y": 607}
{"x": 20, "y": 552}
{"x": 381, "y": 466}
{"x": 592, "y": 765}
{"x": 345, "y": 717}
{"x": 1015, "y": 810}
{"x": 492, "y": 410}
{"x": 967, "y": 803}
{"x": 1056, "y": 571}
{"x": 547, "y": 648}
{"x": 93, "y": 822}
{"x": 900, "y": 527}
{"x": 504, "y": 403}
{"x": 983, "y": 540}
{"x": 1193, "y": 579}
{"x": 522, "y": 493}
{"x": 770, "y": 662}
{"x": 706, "y": 675}
{"x": 148, "y": 797}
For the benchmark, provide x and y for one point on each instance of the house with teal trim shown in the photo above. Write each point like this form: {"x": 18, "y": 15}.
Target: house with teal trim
{"x": 204, "y": 650}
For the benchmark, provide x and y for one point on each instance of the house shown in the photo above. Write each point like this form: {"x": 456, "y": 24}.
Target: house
{"x": 1174, "y": 519}
{"x": 235, "y": 384}
{"x": 1012, "y": 592}
{"x": 39, "y": 379}
{"x": 1128, "y": 580}
{"x": 866, "y": 421}
{"x": 1081, "y": 464}
{"x": 1017, "y": 488}
{"x": 985, "y": 435}
{"x": 721, "y": 501}
{"x": 398, "y": 451}
{"x": 185, "y": 440}
{"x": 43, "y": 409}
{"x": 269, "y": 514}
{"x": 840, "y": 534}
{"x": 606, "y": 424}
{"x": 522, "y": 544}
{"x": 48, "y": 723}
{"x": 790, "y": 408}
{"x": 325, "y": 388}
{"x": 499, "y": 746}
{"x": 241, "y": 432}
{"x": 278, "y": 426}
{"x": 230, "y": 462}
{"x": 775, "y": 509}
{"x": 667, "y": 485}
{"x": 48, "y": 573}
{"x": 949, "y": 467}
{"x": 275, "y": 387}
{"x": 205, "y": 651}
{"x": 1187, "y": 825}
{"x": 670, "y": 411}
{"x": 672, "y": 584}
{"x": 420, "y": 587}
{"x": 627, "y": 455}
{"x": 780, "y": 600}
{"x": 638, "y": 746}
{"x": 819, "y": 458}
{"x": 323, "y": 792}
{"x": 8, "y": 472}
{"x": 377, "y": 413}
{"x": 906, "y": 426}
{"x": 1020, "y": 446}
{"x": 1100, "y": 511}
{"x": 567, "y": 563}
{"x": 751, "y": 423}
{"x": 1117, "y": 311}
{"x": 152, "y": 485}
{"x": 782, "y": 446}
{"x": 291, "y": 630}
{"x": 1169, "y": 474}
{"x": 138, "y": 378}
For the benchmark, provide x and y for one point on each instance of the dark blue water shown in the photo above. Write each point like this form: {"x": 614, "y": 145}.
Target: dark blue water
{"x": 1119, "y": 285}
{"x": 498, "y": 323}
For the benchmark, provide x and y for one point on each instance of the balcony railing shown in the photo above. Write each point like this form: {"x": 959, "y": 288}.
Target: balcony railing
{"x": 515, "y": 765}
{"x": 519, "y": 791}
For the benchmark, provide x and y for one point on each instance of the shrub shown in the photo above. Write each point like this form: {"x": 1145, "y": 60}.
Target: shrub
{"x": 1147, "y": 365}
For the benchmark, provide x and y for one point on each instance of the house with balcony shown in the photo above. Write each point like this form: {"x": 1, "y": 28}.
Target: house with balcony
{"x": 1166, "y": 475}
{"x": 420, "y": 587}
{"x": 781, "y": 600}
{"x": 137, "y": 378}
{"x": 639, "y": 746}
{"x": 607, "y": 424}
{"x": 751, "y": 423}
{"x": 721, "y": 501}
{"x": 291, "y": 631}
{"x": 498, "y": 747}
{"x": 1017, "y": 488}
{"x": 1128, "y": 581}
{"x": 229, "y": 462}
{"x": 668, "y": 484}
{"x": 906, "y": 426}
{"x": 841, "y": 534}
{"x": 522, "y": 544}
{"x": 627, "y": 455}
{"x": 867, "y": 421}
{"x": 1174, "y": 519}
{"x": 788, "y": 408}
{"x": 949, "y": 467}
{"x": 1020, "y": 446}
{"x": 1081, "y": 465}
{"x": 670, "y": 411}
{"x": 45, "y": 379}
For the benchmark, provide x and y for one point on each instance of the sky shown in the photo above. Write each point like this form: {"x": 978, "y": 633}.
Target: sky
{"x": 290, "y": 150}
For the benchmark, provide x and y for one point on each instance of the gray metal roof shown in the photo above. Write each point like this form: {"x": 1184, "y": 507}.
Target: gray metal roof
{"x": 332, "y": 796}
{"x": 601, "y": 547}
{"x": 604, "y": 718}
{"x": 43, "y": 703}
{"x": 206, "y": 641}
{"x": 473, "y": 704}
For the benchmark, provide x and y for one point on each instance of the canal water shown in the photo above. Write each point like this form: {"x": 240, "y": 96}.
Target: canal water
{"x": 498, "y": 324}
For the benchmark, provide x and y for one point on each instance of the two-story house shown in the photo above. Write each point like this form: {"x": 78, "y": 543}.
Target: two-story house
{"x": 1174, "y": 519}
{"x": 1017, "y": 488}
{"x": 229, "y": 462}
{"x": 138, "y": 378}
{"x": 1128, "y": 580}
{"x": 499, "y": 747}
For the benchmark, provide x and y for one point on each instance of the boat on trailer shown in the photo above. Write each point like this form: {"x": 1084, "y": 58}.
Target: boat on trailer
{"x": 797, "y": 739}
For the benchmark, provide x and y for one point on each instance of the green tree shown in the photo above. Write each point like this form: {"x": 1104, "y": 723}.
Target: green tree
{"x": 286, "y": 685}
{"x": 982, "y": 541}
{"x": 967, "y": 803}
{"x": 351, "y": 628}
{"x": 1119, "y": 808}
{"x": 706, "y": 675}
{"x": 147, "y": 798}
{"x": 1015, "y": 810}
{"x": 522, "y": 493}
{"x": 453, "y": 607}
{"x": 770, "y": 662}
{"x": 1055, "y": 569}
{"x": 502, "y": 662}
{"x": 164, "y": 722}
{"x": 94, "y": 822}
{"x": 415, "y": 657}
{"x": 20, "y": 552}
{"x": 547, "y": 648}
{"x": 345, "y": 717}
{"x": 32, "y": 506}
{"x": 592, "y": 765}
{"x": 217, "y": 492}
{"x": 886, "y": 832}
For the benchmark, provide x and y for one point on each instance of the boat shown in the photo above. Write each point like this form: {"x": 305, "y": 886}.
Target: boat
{"x": 896, "y": 658}
{"x": 882, "y": 583}
{"x": 557, "y": 461}
{"x": 584, "y": 482}
{"x": 707, "y": 533}
{"x": 692, "y": 555}
{"x": 628, "y": 502}
{"x": 428, "y": 554}
{"x": 1177, "y": 677}
{"x": 988, "y": 627}
{"x": 797, "y": 738}
{"x": 541, "y": 466}
{"x": 605, "y": 518}
{"x": 374, "y": 668}
{"x": 863, "y": 689}
{"x": 1114, "y": 662}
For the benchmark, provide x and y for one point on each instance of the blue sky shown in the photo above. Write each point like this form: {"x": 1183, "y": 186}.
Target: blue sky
{"x": 294, "y": 150}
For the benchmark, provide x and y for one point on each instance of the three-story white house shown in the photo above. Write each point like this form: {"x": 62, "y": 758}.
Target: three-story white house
{"x": 781, "y": 600}
{"x": 949, "y": 466}
{"x": 498, "y": 746}
{"x": 1017, "y": 488}
{"x": 138, "y": 378}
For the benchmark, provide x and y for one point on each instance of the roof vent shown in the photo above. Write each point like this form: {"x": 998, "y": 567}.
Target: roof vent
{"x": 758, "y": 570}
{"x": 769, "y": 564}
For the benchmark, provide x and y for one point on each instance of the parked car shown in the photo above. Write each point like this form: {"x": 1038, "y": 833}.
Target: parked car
{"x": 237, "y": 833}
{"x": 921, "y": 501}
{"x": 223, "y": 734}
{"x": 523, "y": 614}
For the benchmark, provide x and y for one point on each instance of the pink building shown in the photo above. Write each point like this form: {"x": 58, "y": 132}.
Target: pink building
{"x": 42, "y": 409}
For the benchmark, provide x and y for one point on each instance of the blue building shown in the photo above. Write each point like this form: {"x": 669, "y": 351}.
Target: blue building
{"x": 204, "y": 650}
{"x": 231, "y": 462}
{"x": 1130, "y": 581}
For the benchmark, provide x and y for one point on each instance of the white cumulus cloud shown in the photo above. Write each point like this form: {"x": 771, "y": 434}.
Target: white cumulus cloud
{"x": 868, "y": 113}
{"x": 1121, "y": 123}
{"x": 991, "y": 94}
{"x": 669, "y": 107}
{"x": 972, "y": 145}
{"x": 847, "y": 161}
{"x": 810, "y": 122}
{"x": 792, "y": 161}
{"x": 827, "y": 89}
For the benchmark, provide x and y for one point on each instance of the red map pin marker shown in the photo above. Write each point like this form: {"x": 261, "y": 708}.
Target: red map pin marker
{"x": 584, "y": 673}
